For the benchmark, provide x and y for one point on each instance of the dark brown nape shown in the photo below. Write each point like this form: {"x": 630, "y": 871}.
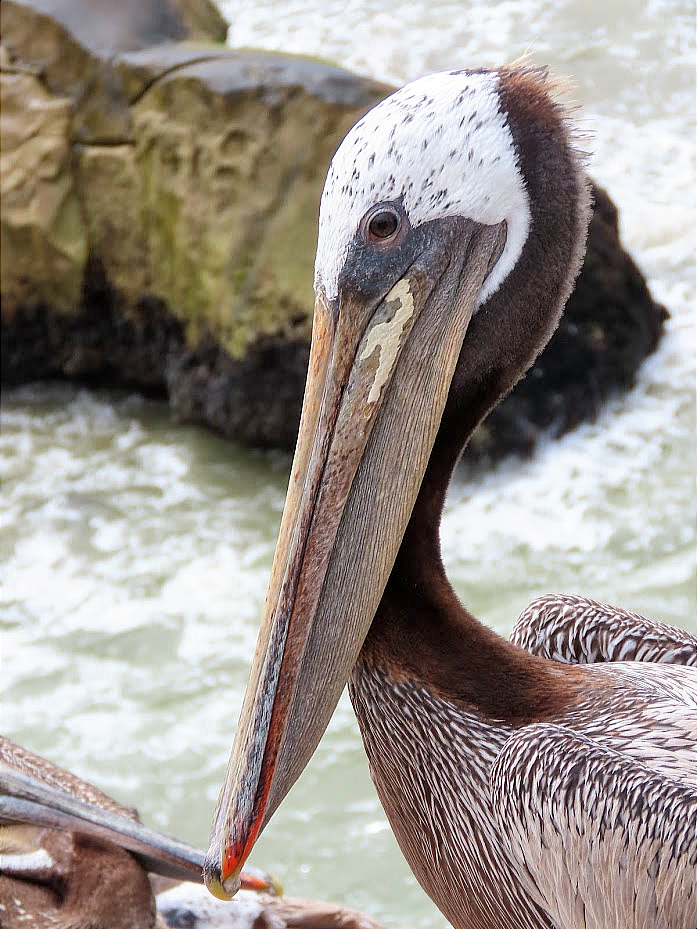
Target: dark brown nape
{"x": 421, "y": 630}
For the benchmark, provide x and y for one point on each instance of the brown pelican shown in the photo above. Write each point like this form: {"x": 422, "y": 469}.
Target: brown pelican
{"x": 72, "y": 857}
{"x": 524, "y": 792}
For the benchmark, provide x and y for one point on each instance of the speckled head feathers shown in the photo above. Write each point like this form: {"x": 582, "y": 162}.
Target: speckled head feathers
{"x": 443, "y": 145}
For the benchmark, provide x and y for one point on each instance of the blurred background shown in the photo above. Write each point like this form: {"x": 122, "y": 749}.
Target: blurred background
{"x": 136, "y": 551}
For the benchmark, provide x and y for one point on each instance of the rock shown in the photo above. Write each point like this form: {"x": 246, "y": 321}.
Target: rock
{"x": 104, "y": 28}
{"x": 60, "y": 92}
{"x": 233, "y": 153}
{"x": 44, "y": 241}
{"x": 159, "y": 223}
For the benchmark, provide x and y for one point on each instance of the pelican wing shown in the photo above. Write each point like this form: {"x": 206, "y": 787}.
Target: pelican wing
{"x": 600, "y": 839}
{"x": 16, "y": 758}
{"x": 577, "y": 630}
{"x": 34, "y": 790}
{"x": 25, "y": 799}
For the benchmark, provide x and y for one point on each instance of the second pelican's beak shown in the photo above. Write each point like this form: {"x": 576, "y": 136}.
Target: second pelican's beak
{"x": 380, "y": 370}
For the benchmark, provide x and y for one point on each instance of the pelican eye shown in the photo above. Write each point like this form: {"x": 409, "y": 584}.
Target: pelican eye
{"x": 383, "y": 225}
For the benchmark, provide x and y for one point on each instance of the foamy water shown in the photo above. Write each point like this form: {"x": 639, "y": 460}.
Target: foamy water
{"x": 136, "y": 552}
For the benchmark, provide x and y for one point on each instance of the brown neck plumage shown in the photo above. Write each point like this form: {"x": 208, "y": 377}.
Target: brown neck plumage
{"x": 421, "y": 631}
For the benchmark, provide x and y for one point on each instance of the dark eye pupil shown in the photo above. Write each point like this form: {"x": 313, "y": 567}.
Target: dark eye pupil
{"x": 383, "y": 225}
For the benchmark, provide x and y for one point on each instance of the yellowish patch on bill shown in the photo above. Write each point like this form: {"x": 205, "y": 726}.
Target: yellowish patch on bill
{"x": 386, "y": 336}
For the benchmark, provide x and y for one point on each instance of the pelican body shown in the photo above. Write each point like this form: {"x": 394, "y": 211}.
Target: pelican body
{"x": 526, "y": 791}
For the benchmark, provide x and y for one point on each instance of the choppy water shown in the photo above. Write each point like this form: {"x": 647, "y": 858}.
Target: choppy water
{"x": 136, "y": 552}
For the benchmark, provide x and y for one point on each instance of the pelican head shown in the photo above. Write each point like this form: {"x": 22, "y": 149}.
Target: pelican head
{"x": 425, "y": 220}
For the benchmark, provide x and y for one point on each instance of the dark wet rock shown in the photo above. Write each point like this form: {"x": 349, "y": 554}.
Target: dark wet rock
{"x": 255, "y": 400}
{"x": 159, "y": 222}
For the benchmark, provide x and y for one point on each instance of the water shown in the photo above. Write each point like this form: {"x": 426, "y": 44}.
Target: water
{"x": 136, "y": 552}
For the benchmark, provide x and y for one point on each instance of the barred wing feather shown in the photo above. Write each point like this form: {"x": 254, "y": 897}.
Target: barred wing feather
{"x": 602, "y": 841}
{"x": 577, "y": 630}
